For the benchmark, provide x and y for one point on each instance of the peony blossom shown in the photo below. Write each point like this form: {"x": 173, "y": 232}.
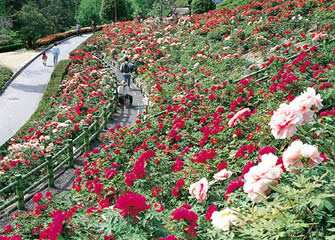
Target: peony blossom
{"x": 199, "y": 189}
{"x": 132, "y": 204}
{"x": 222, "y": 175}
{"x": 284, "y": 121}
{"x": 260, "y": 177}
{"x": 244, "y": 112}
{"x": 223, "y": 219}
{"x": 306, "y": 103}
{"x": 294, "y": 155}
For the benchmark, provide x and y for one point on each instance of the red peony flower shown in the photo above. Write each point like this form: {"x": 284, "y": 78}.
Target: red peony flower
{"x": 209, "y": 212}
{"x": 37, "y": 197}
{"x": 132, "y": 204}
{"x": 177, "y": 188}
{"x": 189, "y": 216}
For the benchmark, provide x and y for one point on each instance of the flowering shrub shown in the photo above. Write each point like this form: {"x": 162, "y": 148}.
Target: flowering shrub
{"x": 248, "y": 158}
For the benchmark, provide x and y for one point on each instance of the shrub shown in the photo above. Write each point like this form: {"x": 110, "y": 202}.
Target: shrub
{"x": 5, "y": 75}
{"x": 231, "y": 4}
{"x": 201, "y": 6}
{"x": 11, "y": 47}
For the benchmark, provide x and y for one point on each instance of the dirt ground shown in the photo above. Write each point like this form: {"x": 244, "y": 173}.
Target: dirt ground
{"x": 16, "y": 59}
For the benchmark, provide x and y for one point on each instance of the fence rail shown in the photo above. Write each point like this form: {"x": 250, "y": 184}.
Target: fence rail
{"x": 65, "y": 155}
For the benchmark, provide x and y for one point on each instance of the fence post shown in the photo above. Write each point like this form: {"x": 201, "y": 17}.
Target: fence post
{"x": 19, "y": 192}
{"x": 70, "y": 152}
{"x": 86, "y": 138}
{"x": 105, "y": 111}
{"x": 50, "y": 170}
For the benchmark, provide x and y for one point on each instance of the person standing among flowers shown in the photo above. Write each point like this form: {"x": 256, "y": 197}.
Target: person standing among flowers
{"x": 55, "y": 52}
{"x": 126, "y": 69}
{"x": 44, "y": 58}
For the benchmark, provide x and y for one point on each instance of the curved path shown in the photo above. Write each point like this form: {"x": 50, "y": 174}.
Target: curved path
{"x": 22, "y": 96}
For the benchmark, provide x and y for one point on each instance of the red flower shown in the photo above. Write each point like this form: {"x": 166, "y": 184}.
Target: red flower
{"x": 132, "y": 204}
{"x": 7, "y": 229}
{"x": 178, "y": 165}
{"x": 170, "y": 237}
{"x": 233, "y": 185}
{"x": 189, "y": 216}
{"x": 37, "y": 197}
{"x": 222, "y": 165}
{"x": 210, "y": 210}
{"x": 177, "y": 188}
{"x": 110, "y": 172}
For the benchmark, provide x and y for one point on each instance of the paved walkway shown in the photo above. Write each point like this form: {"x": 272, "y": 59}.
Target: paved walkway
{"x": 21, "y": 98}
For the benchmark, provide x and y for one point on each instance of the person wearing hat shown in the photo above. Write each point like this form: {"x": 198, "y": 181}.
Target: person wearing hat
{"x": 123, "y": 93}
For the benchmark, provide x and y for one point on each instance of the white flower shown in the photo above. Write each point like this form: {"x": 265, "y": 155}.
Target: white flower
{"x": 222, "y": 175}
{"x": 223, "y": 219}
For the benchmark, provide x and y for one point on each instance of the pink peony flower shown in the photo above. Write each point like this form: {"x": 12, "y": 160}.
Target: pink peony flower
{"x": 222, "y": 175}
{"x": 260, "y": 177}
{"x": 306, "y": 102}
{"x": 244, "y": 112}
{"x": 284, "y": 121}
{"x": 199, "y": 189}
{"x": 294, "y": 154}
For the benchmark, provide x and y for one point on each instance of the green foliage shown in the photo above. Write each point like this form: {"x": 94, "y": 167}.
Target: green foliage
{"x": 201, "y": 6}
{"x": 10, "y": 47}
{"x": 33, "y": 24}
{"x": 124, "y": 10}
{"x": 231, "y": 4}
{"x": 5, "y": 75}
{"x": 142, "y": 7}
{"x": 88, "y": 10}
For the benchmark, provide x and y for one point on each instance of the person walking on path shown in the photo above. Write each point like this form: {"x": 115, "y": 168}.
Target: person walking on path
{"x": 55, "y": 52}
{"x": 78, "y": 28}
{"x": 126, "y": 69}
{"x": 44, "y": 58}
{"x": 93, "y": 27}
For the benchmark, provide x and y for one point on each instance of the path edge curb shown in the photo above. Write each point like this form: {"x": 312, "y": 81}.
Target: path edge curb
{"x": 18, "y": 72}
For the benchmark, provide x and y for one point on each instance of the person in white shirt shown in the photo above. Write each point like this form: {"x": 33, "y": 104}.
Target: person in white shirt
{"x": 55, "y": 52}
{"x": 123, "y": 93}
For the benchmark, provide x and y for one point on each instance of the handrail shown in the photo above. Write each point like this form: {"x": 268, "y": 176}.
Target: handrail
{"x": 83, "y": 139}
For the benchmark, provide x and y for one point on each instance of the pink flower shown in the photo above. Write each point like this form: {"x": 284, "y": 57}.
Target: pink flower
{"x": 294, "y": 154}
{"x": 260, "y": 177}
{"x": 244, "y": 112}
{"x": 222, "y": 175}
{"x": 284, "y": 121}
{"x": 306, "y": 102}
{"x": 199, "y": 189}
{"x": 319, "y": 36}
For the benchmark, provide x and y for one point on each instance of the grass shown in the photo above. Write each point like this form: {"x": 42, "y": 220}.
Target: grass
{"x": 5, "y": 75}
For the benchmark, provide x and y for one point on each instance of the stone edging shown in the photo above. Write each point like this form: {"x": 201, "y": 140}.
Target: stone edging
{"x": 28, "y": 63}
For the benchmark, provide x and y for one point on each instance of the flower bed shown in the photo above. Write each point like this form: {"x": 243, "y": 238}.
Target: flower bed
{"x": 82, "y": 94}
{"x": 60, "y": 36}
{"x": 251, "y": 158}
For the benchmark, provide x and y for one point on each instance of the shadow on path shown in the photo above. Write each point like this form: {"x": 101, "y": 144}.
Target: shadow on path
{"x": 29, "y": 88}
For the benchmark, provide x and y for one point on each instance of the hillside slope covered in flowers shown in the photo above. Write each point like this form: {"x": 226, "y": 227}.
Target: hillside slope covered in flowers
{"x": 227, "y": 157}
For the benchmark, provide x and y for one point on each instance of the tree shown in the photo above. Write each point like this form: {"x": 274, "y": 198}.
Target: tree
{"x": 3, "y": 4}
{"x": 124, "y": 10}
{"x": 32, "y": 24}
{"x": 201, "y": 6}
{"x": 88, "y": 10}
